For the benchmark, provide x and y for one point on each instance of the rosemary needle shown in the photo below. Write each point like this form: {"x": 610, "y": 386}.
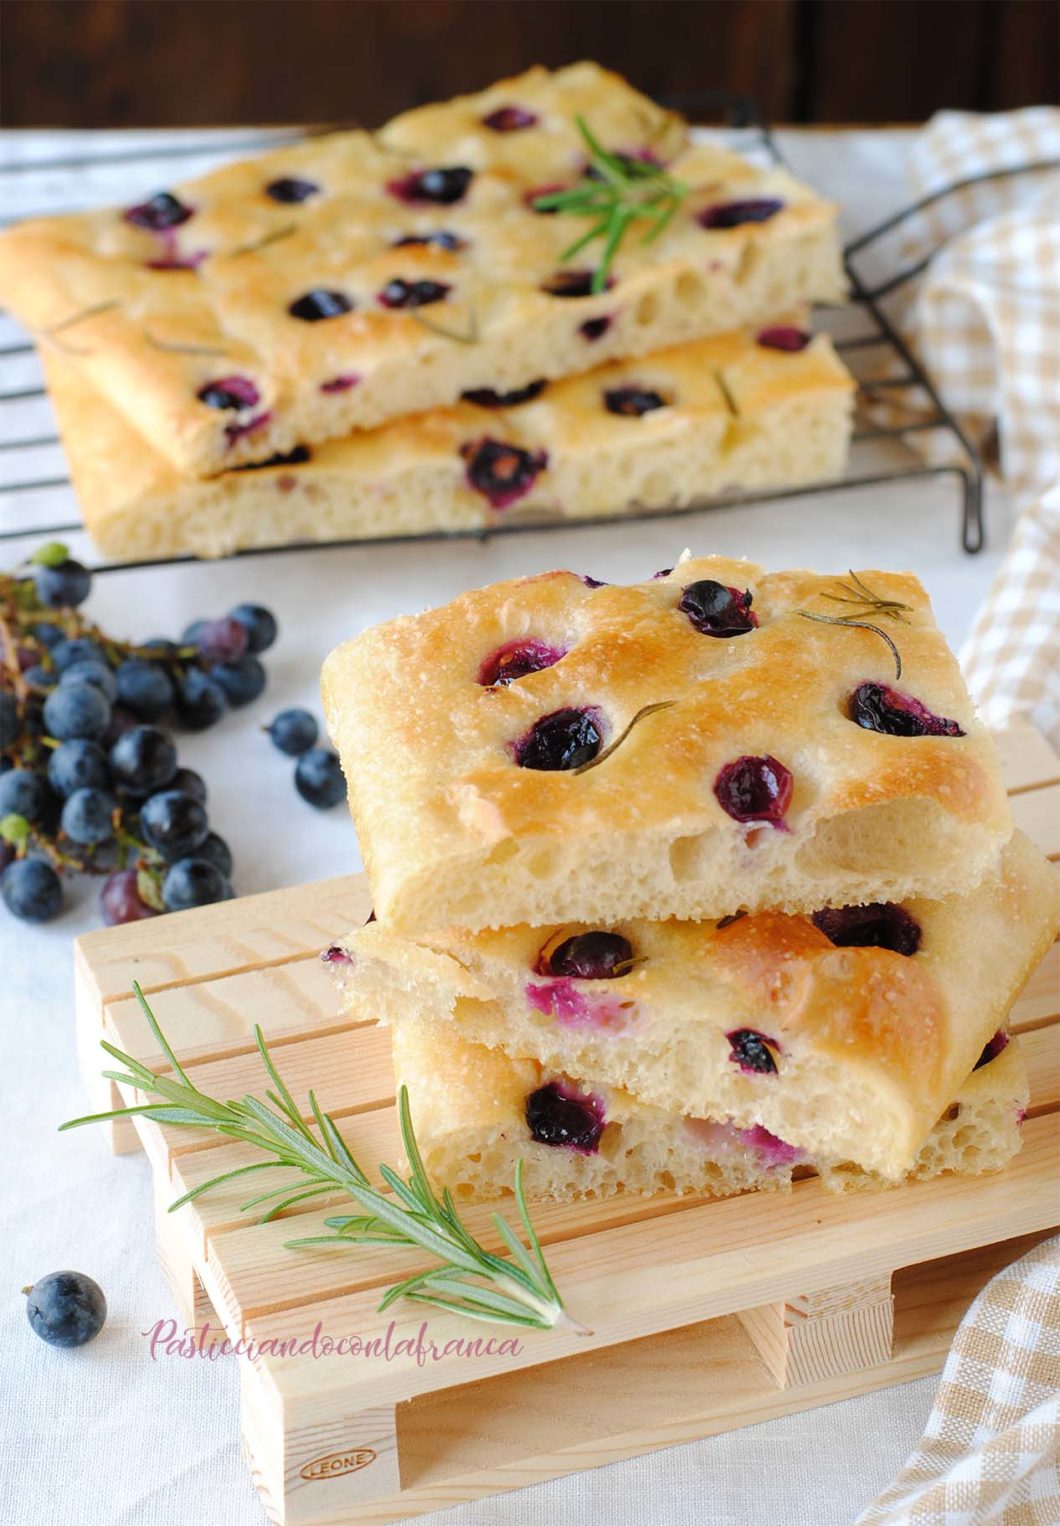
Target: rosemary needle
{"x": 864, "y": 602}
{"x": 617, "y": 191}
{"x": 470, "y": 1280}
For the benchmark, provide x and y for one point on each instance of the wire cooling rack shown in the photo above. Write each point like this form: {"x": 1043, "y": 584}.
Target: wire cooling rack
{"x": 896, "y": 398}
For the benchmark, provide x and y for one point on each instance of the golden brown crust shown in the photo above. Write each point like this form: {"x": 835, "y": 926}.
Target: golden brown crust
{"x": 454, "y": 833}
{"x": 790, "y": 424}
{"x": 150, "y": 338}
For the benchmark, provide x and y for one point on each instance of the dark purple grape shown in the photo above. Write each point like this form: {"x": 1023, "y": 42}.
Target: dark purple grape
{"x": 878, "y": 707}
{"x": 564, "y": 740}
{"x": 216, "y": 851}
{"x": 752, "y": 1051}
{"x": 88, "y": 672}
{"x": 516, "y": 659}
{"x": 754, "y": 789}
{"x": 716, "y": 610}
{"x": 440, "y": 239}
{"x": 230, "y": 393}
{"x": 486, "y": 397}
{"x": 293, "y": 731}
{"x": 503, "y": 473}
{"x": 26, "y": 794}
{"x": 63, "y": 586}
{"x": 590, "y": 956}
{"x": 77, "y": 765}
{"x": 259, "y": 624}
{"x": 159, "y": 648}
{"x": 145, "y": 689}
{"x": 87, "y": 817}
{"x": 8, "y": 718}
{"x": 594, "y": 328}
{"x": 290, "y": 190}
{"x": 66, "y": 1308}
{"x": 730, "y": 214}
{"x": 242, "y": 680}
{"x": 318, "y": 778}
{"x": 76, "y": 710}
{"x": 43, "y": 679}
{"x": 319, "y": 304}
{"x": 633, "y": 402}
{"x": 173, "y": 824}
{"x": 200, "y": 701}
{"x": 189, "y": 783}
{"x": 510, "y": 119}
{"x": 194, "y": 882}
{"x": 31, "y": 890}
{"x": 557, "y": 1114}
{"x": 77, "y": 649}
{"x": 160, "y": 212}
{"x": 47, "y": 633}
{"x": 783, "y": 337}
{"x": 398, "y": 294}
{"x": 144, "y": 759}
{"x": 443, "y": 186}
{"x": 880, "y": 924}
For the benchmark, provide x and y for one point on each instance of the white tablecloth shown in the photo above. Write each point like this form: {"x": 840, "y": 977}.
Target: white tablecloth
{"x": 103, "y": 1437}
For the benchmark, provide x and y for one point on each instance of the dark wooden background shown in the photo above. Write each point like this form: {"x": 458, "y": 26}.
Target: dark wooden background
{"x": 113, "y": 63}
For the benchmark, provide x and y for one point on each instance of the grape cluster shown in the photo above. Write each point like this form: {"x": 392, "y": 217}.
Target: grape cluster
{"x": 318, "y": 772}
{"x": 90, "y": 780}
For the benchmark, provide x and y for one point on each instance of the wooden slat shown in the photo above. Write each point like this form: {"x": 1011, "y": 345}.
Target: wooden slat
{"x": 1025, "y": 758}
{"x": 1041, "y": 1055}
{"x": 688, "y": 1383}
{"x": 215, "y": 1018}
{"x": 1039, "y": 1001}
{"x": 350, "y": 1072}
{"x": 1037, "y": 812}
{"x": 210, "y": 941}
{"x": 715, "y": 1259}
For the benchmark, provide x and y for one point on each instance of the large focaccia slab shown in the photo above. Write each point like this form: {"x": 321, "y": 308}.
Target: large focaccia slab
{"x": 547, "y": 750}
{"x": 355, "y": 278}
{"x": 667, "y": 430}
{"x": 845, "y": 1036}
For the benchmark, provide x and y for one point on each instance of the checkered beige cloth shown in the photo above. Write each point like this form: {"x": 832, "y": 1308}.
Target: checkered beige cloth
{"x": 991, "y": 1450}
{"x": 1012, "y": 657}
{"x": 984, "y": 317}
{"x": 985, "y": 314}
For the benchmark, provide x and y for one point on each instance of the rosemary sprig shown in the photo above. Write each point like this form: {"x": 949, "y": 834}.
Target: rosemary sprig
{"x": 470, "y": 337}
{"x": 265, "y": 242}
{"x": 612, "y": 747}
{"x": 181, "y": 349}
{"x": 868, "y": 601}
{"x": 470, "y": 1280}
{"x": 621, "y": 192}
{"x": 863, "y": 602}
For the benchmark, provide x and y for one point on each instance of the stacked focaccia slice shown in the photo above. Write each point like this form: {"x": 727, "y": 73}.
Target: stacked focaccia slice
{"x": 746, "y": 410}
{"x": 343, "y": 316}
{"x": 561, "y": 770}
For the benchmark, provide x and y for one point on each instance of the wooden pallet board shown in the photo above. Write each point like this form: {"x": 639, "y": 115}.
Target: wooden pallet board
{"x": 706, "y": 1314}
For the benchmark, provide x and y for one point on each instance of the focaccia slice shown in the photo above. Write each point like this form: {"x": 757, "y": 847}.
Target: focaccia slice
{"x": 748, "y": 410}
{"x": 477, "y": 1112}
{"x": 708, "y": 741}
{"x": 846, "y": 1035}
{"x": 358, "y": 277}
